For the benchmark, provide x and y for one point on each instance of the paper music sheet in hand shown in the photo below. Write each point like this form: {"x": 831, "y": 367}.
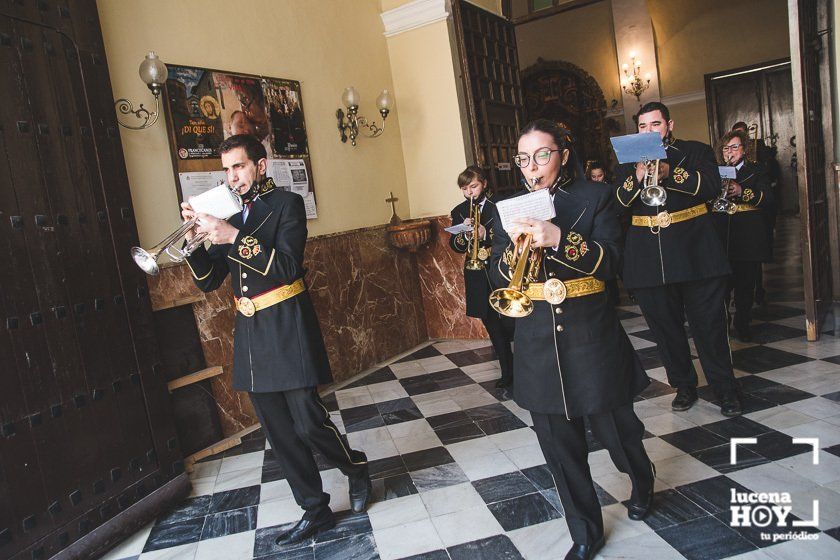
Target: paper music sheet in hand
{"x": 536, "y": 205}
{"x": 727, "y": 172}
{"x": 460, "y": 228}
{"x": 631, "y": 148}
{"x": 218, "y": 202}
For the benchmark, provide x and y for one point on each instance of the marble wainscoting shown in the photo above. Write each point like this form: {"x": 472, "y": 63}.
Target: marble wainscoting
{"x": 368, "y": 299}
{"x": 442, "y": 283}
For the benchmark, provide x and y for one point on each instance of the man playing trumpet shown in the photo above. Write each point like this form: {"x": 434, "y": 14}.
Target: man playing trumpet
{"x": 674, "y": 263}
{"x": 573, "y": 360}
{"x": 279, "y": 356}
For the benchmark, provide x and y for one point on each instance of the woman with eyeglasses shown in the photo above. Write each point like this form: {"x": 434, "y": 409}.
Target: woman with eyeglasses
{"x": 574, "y": 363}
{"x": 742, "y": 226}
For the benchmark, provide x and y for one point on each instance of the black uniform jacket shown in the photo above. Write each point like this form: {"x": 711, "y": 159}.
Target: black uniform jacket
{"x": 476, "y": 282}
{"x": 683, "y": 251}
{"x": 744, "y": 234}
{"x": 281, "y": 347}
{"x": 574, "y": 358}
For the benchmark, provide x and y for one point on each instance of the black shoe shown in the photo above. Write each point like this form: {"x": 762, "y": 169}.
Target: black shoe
{"x": 361, "y": 492}
{"x": 639, "y": 508}
{"x": 730, "y": 405}
{"x": 585, "y": 551}
{"x": 684, "y": 400}
{"x": 503, "y": 383}
{"x": 744, "y": 335}
{"x": 307, "y": 527}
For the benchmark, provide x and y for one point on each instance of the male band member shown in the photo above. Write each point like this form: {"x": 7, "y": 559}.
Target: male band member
{"x": 279, "y": 354}
{"x": 675, "y": 265}
{"x": 743, "y": 232}
{"x": 473, "y": 184}
{"x": 574, "y": 362}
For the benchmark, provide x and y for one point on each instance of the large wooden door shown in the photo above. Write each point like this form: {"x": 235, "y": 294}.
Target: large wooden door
{"x": 809, "y": 51}
{"x": 760, "y": 95}
{"x": 85, "y": 428}
{"x": 492, "y": 88}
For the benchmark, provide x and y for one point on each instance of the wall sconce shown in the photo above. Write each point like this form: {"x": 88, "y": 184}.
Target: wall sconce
{"x": 350, "y": 126}
{"x": 632, "y": 83}
{"x": 154, "y": 73}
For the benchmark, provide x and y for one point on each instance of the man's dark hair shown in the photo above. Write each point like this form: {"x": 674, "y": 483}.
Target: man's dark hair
{"x": 652, "y": 106}
{"x": 253, "y": 147}
{"x": 740, "y": 124}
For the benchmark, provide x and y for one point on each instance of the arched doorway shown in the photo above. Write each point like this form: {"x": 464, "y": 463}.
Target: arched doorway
{"x": 560, "y": 91}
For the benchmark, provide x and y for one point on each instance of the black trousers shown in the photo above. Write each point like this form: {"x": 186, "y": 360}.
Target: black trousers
{"x": 501, "y": 329}
{"x": 563, "y": 442}
{"x": 702, "y": 302}
{"x": 296, "y": 423}
{"x": 743, "y": 285}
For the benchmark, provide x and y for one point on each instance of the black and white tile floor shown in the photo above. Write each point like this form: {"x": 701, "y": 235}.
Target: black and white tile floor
{"x": 458, "y": 473}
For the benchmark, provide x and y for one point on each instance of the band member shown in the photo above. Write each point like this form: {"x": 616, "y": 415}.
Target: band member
{"x": 473, "y": 184}
{"x": 741, "y": 226}
{"x": 279, "y": 354}
{"x": 574, "y": 362}
{"x": 674, "y": 262}
{"x": 597, "y": 172}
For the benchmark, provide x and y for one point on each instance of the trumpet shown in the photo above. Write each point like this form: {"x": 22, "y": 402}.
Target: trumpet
{"x": 721, "y": 203}
{"x": 477, "y": 254}
{"x": 653, "y": 194}
{"x": 752, "y": 130}
{"x": 526, "y": 265}
{"x": 220, "y": 201}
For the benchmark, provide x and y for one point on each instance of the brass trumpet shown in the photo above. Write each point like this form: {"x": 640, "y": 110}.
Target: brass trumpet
{"x": 477, "y": 254}
{"x": 653, "y": 194}
{"x": 525, "y": 264}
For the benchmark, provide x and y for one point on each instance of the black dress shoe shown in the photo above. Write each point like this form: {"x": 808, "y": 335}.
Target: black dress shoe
{"x": 307, "y": 527}
{"x": 585, "y": 551}
{"x": 503, "y": 383}
{"x": 361, "y": 492}
{"x": 639, "y": 508}
{"x": 684, "y": 400}
{"x": 730, "y": 405}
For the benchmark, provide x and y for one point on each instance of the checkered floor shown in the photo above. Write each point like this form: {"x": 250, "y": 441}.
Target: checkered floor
{"x": 458, "y": 472}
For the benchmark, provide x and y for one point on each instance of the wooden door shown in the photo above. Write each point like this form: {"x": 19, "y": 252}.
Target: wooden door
{"x": 85, "y": 429}
{"x": 492, "y": 88}
{"x": 813, "y": 116}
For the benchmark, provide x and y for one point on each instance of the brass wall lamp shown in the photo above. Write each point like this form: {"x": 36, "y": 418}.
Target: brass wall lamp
{"x": 154, "y": 73}
{"x": 351, "y": 123}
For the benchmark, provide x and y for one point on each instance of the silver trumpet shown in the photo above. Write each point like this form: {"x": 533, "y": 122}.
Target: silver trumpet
{"x": 721, "y": 203}
{"x": 221, "y": 202}
{"x": 653, "y": 194}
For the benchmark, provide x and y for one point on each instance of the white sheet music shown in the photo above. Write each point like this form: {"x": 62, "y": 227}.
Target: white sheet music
{"x": 536, "y": 205}
{"x": 218, "y": 202}
{"x": 456, "y": 229}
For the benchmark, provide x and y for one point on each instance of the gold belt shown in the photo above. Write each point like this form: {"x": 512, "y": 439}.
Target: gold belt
{"x": 665, "y": 219}
{"x": 744, "y": 208}
{"x": 555, "y": 291}
{"x": 249, "y": 306}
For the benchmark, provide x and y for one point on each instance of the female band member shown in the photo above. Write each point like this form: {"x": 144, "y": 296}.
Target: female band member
{"x": 473, "y": 184}
{"x": 573, "y": 359}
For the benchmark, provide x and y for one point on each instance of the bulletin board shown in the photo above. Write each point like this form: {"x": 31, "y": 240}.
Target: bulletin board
{"x": 204, "y": 106}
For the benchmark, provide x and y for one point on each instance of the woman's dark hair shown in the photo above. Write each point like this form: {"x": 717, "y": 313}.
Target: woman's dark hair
{"x": 253, "y": 147}
{"x": 562, "y": 138}
{"x": 596, "y": 164}
{"x": 470, "y": 174}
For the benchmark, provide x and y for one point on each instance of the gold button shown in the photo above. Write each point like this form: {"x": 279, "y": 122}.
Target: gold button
{"x": 558, "y": 310}
{"x": 244, "y": 289}
{"x": 244, "y": 275}
{"x": 559, "y": 328}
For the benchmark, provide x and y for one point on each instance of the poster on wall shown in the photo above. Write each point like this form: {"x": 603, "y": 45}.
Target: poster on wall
{"x": 206, "y": 106}
{"x": 195, "y": 112}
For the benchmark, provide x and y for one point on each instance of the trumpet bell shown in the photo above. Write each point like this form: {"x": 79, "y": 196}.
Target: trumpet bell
{"x": 654, "y": 195}
{"x": 145, "y": 260}
{"x": 511, "y": 303}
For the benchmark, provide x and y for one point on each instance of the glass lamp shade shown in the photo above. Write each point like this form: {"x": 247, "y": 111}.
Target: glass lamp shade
{"x": 384, "y": 101}
{"x": 153, "y": 70}
{"x": 350, "y": 97}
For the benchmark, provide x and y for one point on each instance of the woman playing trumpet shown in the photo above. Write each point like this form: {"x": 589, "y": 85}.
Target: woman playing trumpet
{"x": 743, "y": 230}
{"x": 473, "y": 184}
{"x": 574, "y": 362}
